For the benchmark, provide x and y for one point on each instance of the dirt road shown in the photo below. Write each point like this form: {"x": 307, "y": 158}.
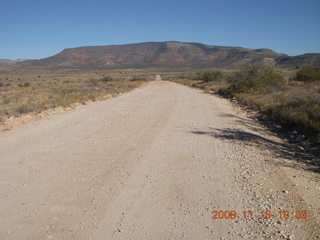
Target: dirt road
{"x": 151, "y": 164}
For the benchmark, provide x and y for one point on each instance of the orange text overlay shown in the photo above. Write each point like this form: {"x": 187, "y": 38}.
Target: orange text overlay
{"x": 265, "y": 214}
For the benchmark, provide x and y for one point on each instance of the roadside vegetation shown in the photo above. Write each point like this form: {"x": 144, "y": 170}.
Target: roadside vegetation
{"x": 24, "y": 93}
{"x": 291, "y": 99}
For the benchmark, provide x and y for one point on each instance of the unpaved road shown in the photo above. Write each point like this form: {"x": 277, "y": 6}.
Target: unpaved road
{"x": 151, "y": 164}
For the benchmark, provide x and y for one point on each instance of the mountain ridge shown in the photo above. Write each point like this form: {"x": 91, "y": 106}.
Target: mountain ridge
{"x": 170, "y": 54}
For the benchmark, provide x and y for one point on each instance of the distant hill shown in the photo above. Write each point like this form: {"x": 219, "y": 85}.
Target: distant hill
{"x": 305, "y": 59}
{"x": 7, "y": 64}
{"x": 161, "y": 54}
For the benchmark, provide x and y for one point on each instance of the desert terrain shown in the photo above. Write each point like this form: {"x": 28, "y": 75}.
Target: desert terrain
{"x": 154, "y": 163}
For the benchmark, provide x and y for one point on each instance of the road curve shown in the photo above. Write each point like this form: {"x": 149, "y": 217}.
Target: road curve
{"x": 150, "y": 164}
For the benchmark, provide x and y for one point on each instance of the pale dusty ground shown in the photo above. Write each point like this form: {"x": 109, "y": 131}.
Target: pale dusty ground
{"x": 151, "y": 164}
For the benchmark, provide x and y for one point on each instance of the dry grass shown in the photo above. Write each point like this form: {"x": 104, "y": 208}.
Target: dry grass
{"x": 22, "y": 93}
{"x": 293, "y": 107}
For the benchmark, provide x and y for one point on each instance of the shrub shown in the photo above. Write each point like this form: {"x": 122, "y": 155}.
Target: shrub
{"x": 27, "y": 107}
{"x": 26, "y": 84}
{"x": 138, "y": 78}
{"x": 107, "y": 79}
{"x": 210, "y": 76}
{"x": 255, "y": 78}
{"x": 190, "y": 76}
{"x": 302, "y": 112}
{"x": 308, "y": 74}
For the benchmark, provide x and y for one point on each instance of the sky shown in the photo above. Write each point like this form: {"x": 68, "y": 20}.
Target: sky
{"x": 33, "y": 29}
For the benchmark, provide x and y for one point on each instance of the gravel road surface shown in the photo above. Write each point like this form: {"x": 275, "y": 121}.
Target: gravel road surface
{"x": 153, "y": 163}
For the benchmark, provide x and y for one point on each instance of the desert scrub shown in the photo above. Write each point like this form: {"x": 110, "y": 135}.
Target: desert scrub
{"x": 27, "y": 107}
{"x": 308, "y": 74}
{"x": 294, "y": 105}
{"x": 301, "y": 111}
{"x": 107, "y": 79}
{"x": 210, "y": 76}
{"x": 139, "y": 78}
{"x": 26, "y": 84}
{"x": 35, "y": 95}
{"x": 255, "y": 79}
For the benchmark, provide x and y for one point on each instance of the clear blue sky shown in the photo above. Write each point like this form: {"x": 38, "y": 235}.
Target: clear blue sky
{"x": 41, "y": 28}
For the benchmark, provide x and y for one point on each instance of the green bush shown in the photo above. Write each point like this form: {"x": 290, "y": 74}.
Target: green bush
{"x": 107, "y": 79}
{"x": 255, "y": 79}
{"x": 308, "y": 73}
{"x": 210, "y": 76}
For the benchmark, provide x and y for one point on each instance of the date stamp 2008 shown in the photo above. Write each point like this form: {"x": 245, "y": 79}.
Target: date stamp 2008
{"x": 265, "y": 214}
